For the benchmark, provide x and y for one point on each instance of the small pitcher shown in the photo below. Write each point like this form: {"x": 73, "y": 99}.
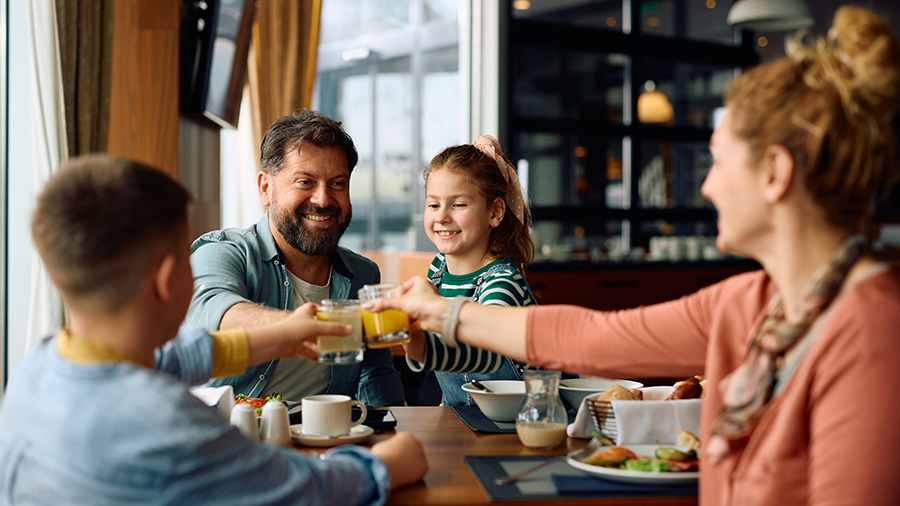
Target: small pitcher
{"x": 542, "y": 420}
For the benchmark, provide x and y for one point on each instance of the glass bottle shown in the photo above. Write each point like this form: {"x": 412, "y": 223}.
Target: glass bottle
{"x": 541, "y": 422}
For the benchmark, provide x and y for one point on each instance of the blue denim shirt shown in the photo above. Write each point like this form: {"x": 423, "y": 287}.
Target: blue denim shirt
{"x": 244, "y": 265}
{"x": 114, "y": 433}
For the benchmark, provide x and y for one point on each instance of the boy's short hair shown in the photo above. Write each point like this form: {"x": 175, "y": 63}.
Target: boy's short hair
{"x": 99, "y": 224}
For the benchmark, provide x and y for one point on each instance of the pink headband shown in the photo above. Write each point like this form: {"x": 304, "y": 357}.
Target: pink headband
{"x": 514, "y": 201}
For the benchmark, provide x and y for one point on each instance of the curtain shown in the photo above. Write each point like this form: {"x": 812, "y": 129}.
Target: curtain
{"x": 72, "y": 50}
{"x": 85, "y": 42}
{"x": 282, "y": 61}
{"x": 49, "y": 144}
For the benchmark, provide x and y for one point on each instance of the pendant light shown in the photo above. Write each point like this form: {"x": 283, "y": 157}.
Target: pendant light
{"x": 653, "y": 106}
{"x": 770, "y": 15}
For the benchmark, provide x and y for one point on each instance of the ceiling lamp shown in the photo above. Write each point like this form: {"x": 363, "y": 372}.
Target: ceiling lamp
{"x": 653, "y": 106}
{"x": 770, "y": 15}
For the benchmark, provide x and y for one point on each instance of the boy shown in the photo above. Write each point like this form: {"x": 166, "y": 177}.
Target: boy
{"x": 101, "y": 413}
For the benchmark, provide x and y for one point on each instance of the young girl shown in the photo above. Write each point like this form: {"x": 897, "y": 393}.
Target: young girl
{"x": 477, "y": 218}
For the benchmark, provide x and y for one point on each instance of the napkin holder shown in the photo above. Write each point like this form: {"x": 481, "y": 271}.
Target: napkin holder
{"x": 219, "y": 398}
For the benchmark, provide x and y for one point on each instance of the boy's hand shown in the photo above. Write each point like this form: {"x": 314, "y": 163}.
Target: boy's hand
{"x": 304, "y": 327}
{"x": 292, "y": 336}
{"x": 404, "y": 457}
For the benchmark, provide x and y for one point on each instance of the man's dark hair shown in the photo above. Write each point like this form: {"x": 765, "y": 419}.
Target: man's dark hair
{"x": 302, "y": 126}
{"x": 101, "y": 222}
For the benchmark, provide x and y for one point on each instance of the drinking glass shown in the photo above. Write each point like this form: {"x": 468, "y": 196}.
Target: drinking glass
{"x": 385, "y": 328}
{"x": 341, "y": 349}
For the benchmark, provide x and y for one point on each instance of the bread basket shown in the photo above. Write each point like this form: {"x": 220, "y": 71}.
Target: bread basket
{"x": 647, "y": 420}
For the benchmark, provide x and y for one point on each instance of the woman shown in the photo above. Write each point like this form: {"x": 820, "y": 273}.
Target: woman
{"x": 797, "y": 354}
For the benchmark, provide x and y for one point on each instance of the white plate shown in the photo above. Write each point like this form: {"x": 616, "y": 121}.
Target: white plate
{"x": 357, "y": 435}
{"x": 637, "y": 476}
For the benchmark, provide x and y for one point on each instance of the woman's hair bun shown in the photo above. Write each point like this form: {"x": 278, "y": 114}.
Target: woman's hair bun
{"x": 869, "y": 48}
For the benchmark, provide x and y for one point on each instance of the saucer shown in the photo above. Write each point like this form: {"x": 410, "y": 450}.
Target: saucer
{"x": 357, "y": 435}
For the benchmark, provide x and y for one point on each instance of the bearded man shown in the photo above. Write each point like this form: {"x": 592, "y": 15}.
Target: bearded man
{"x": 253, "y": 276}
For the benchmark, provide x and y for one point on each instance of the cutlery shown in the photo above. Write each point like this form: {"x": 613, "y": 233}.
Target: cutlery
{"x": 577, "y": 455}
{"x": 478, "y": 385}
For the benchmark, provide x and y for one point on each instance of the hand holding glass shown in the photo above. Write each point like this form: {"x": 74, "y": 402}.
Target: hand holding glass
{"x": 341, "y": 349}
{"x": 385, "y": 328}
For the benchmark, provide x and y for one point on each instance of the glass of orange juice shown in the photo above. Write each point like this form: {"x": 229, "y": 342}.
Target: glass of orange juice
{"x": 385, "y": 328}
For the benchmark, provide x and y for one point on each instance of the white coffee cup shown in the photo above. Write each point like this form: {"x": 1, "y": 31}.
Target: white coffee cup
{"x": 329, "y": 415}
{"x": 275, "y": 425}
{"x": 243, "y": 416}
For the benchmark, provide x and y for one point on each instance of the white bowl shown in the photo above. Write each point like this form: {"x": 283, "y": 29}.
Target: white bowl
{"x": 575, "y": 389}
{"x": 502, "y": 403}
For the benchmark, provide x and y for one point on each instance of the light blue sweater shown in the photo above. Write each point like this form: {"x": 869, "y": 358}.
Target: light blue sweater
{"x": 117, "y": 434}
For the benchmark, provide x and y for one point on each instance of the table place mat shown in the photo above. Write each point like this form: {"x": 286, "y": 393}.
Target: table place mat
{"x": 579, "y": 486}
{"x": 538, "y": 485}
{"x": 559, "y": 480}
{"x": 475, "y": 419}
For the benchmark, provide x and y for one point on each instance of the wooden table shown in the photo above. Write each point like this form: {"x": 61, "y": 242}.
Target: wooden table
{"x": 450, "y": 481}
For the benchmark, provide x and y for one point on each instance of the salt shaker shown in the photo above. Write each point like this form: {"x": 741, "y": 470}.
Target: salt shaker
{"x": 275, "y": 424}
{"x": 243, "y": 416}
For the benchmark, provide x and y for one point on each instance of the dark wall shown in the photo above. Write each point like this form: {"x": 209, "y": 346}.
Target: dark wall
{"x": 823, "y": 13}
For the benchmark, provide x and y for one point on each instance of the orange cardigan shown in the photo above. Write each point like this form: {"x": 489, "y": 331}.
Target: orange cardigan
{"x": 830, "y": 436}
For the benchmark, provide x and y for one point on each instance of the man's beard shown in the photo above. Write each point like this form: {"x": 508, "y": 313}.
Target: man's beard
{"x": 315, "y": 242}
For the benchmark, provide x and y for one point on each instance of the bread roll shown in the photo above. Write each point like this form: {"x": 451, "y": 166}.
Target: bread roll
{"x": 620, "y": 393}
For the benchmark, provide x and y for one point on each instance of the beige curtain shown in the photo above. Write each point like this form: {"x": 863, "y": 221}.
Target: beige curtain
{"x": 282, "y": 62}
{"x": 45, "y": 310}
{"x": 85, "y": 40}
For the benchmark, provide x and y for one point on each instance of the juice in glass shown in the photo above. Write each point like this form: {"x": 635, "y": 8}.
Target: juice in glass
{"x": 386, "y": 328}
{"x": 341, "y": 349}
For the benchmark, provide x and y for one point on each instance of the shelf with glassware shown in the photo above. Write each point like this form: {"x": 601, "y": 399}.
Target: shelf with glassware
{"x": 582, "y": 200}
{"x": 611, "y": 129}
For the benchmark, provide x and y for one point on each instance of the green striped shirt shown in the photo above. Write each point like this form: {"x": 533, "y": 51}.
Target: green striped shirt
{"x": 504, "y": 288}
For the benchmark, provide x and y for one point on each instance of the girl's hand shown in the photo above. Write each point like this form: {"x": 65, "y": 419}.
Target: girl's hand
{"x": 419, "y": 299}
{"x": 415, "y": 349}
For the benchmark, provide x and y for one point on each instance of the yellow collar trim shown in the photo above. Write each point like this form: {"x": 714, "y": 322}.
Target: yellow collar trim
{"x": 84, "y": 351}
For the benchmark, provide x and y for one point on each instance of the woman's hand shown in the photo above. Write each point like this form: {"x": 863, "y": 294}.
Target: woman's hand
{"x": 419, "y": 299}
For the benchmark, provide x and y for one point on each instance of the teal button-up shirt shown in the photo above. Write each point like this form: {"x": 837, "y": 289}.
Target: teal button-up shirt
{"x": 244, "y": 265}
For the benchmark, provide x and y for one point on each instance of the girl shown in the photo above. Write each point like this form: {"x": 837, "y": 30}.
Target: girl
{"x": 477, "y": 218}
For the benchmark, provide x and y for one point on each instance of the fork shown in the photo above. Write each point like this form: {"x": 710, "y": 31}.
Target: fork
{"x": 587, "y": 450}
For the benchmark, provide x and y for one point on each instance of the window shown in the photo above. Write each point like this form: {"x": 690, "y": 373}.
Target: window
{"x": 390, "y": 71}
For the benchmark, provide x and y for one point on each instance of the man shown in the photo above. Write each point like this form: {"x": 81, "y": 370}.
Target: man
{"x": 248, "y": 277}
{"x": 123, "y": 427}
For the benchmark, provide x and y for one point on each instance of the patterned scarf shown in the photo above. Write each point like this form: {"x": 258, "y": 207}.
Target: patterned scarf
{"x": 749, "y": 388}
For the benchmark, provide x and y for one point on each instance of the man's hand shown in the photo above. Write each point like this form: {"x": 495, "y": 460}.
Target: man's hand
{"x": 404, "y": 457}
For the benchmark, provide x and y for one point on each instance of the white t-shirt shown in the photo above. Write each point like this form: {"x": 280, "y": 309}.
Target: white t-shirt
{"x": 295, "y": 378}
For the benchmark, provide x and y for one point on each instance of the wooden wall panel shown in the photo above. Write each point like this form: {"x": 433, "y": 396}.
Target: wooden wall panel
{"x": 143, "y": 123}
